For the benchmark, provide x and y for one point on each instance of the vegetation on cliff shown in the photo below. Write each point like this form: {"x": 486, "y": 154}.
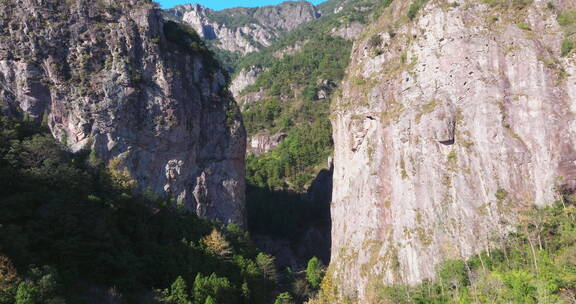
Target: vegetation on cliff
{"x": 536, "y": 264}
{"x": 302, "y": 72}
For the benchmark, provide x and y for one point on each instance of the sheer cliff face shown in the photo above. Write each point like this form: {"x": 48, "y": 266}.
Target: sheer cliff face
{"x": 447, "y": 126}
{"x": 245, "y": 30}
{"x": 145, "y": 95}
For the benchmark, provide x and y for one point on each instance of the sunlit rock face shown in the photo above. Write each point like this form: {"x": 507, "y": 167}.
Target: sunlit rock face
{"x": 447, "y": 126}
{"x": 245, "y": 30}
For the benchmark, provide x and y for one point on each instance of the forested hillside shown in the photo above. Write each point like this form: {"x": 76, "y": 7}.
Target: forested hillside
{"x": 235, "y": 32}
{"x": 358, "y": 151}
{"x": 301, "y": 73}
{"x": 73, "y": 231}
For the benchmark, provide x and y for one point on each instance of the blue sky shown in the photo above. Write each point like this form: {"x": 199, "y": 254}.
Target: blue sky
{"x": 221, "y": 4}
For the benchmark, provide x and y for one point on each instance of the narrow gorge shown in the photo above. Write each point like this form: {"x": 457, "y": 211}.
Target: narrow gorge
{"x": 340, "y": 151}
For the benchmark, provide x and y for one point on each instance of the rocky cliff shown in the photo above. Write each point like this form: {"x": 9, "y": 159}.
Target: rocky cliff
{"x": 452, "y": 118}
{"x": 243, "y": 79}
{"x": 245, "y": 30}
{"x": 145, "y": 95}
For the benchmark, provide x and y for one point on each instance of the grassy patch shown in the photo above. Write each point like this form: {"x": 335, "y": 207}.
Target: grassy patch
{"x": 566, "y": 47}
{"x": 414, "y": 8}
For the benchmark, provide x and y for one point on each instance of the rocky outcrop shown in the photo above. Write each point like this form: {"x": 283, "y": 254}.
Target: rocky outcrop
{"x": 447, "y": 126}
{"x": 245, "y": 99}
{"x": 263, "y": 142}
{"x": 289, "y": 50}
{"x": 245, "y": 30}
{"x": 349, "y": 31}
{"x": 145, "y": 95}
{"x": 244, "y": 78}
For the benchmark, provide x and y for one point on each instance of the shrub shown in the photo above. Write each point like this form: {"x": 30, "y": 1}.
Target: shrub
{"x": 567, "y": 18}
{"x": 415, "y": 7}
{"x": 314, "y": 272}
{"x": 375, "y": 41}
{"x": 566, "y": 47}
{"x": 453, "y": 273}
{"x": 501, "y": 194}
{"x": 284, "y": 298}
{"x": 26, "y": 294}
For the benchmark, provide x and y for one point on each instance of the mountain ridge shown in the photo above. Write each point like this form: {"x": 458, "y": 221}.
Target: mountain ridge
{"x": 244, "y": 30}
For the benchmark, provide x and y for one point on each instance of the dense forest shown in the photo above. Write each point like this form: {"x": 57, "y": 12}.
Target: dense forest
{"x": 72, "y": 229}
{"x": 299, "y": 88}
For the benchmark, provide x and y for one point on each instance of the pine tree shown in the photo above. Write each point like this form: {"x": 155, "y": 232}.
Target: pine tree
{"x": 314, "y": 272}
{"x": 26, "y": 294}
{"x": 267, "y": 267}
{"x": 178, "y": 293}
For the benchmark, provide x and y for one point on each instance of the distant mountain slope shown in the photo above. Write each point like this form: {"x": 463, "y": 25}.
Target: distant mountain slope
{"x": 245, "y": 30}
{"x": 285, "y": 93}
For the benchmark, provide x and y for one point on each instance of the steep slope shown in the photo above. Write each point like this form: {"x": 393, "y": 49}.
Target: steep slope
{"x": 145, "y": 96}
{"x": 454, "y": 116}
{"x": 245, "y": 30}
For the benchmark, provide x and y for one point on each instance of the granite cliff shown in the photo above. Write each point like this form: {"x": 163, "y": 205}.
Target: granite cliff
{"x": 454, "y": 116}
{"x": 143, "y": 94}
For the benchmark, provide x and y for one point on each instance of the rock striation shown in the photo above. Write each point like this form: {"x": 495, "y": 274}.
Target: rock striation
{"x": 447, "y": 126}
{"x": 144, "y": 94}
{"x": 245, "y": 30}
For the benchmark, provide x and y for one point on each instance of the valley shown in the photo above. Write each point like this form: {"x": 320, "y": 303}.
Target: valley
{"x": 355, "y": 151}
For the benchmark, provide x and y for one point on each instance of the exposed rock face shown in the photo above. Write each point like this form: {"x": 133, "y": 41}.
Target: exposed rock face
{"x": 115, "y": 78}
{"x": 350, "y": 31}
{"x": 246, "y": 99}
{"x": 263, "y": 142}
{"x": 245, "y": 78}
{"x": 289, "y": 50}
{"x": 443, "y": 135}
{"x": 245, "y": 30}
